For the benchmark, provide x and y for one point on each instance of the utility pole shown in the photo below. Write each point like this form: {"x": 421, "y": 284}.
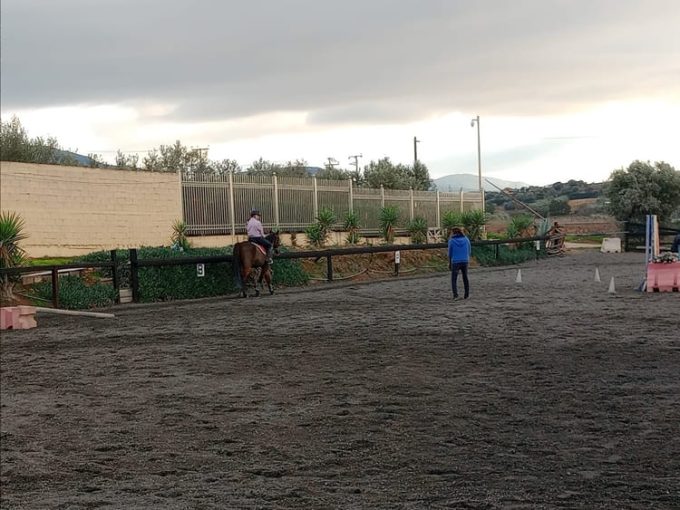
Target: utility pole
{"x": 415, "y": 151}
{"x": 479, "y": 159}
{"x": 332, "y": 163}
{"x": 356, "y": 162}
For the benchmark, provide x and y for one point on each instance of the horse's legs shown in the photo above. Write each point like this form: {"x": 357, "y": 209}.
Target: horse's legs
{"x": 268, "y": 278}
{"x": 245, "y": 273}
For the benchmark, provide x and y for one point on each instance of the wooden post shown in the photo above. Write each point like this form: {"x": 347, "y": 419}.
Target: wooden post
{"x": 351, "y": 196}
{"x": 382, "y": 196}
{"x": 231, "y": 205}
{"x": 55, "y": 287}
{"x": 462, "y": 207}
{"x": 439, "y": 218}
{"x": 329, "y": 268}
{"x": 114, "y": 275}
{"x": 134, "y": 275}
{"x": 316, "y": 200}
{"x": 410, "y": 192}
{"x": 275, "y": 196}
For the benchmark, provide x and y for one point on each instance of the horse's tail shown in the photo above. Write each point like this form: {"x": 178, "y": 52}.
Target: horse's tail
{"x": 236, "y": 265}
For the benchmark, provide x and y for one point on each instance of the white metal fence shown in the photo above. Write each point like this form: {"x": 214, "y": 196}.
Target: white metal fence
{"x": 220, "y": 204}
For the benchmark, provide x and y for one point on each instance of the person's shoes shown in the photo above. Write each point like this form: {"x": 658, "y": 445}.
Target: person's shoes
{"x": 455, "y": 296}
{"x": 465, "y": 297}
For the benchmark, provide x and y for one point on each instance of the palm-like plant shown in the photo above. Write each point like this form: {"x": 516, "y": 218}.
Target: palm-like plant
{"x": 389, "y": 215}
{"x": 451, "y": 219}
{"x": 474, "y": 222}
{"x": 351, "y": 225}
{"x": 520, "y": 226}
{"x": 326, "y": 219}
{"x": 11, "y": 254}
{"x": 417, "y": 228}
{"x": 179, "y": 235}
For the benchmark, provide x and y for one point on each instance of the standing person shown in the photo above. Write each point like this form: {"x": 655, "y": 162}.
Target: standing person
{"x": 676, "y": 244}
{"x": 459, "y": 257}
{"x": 255, "y": 233}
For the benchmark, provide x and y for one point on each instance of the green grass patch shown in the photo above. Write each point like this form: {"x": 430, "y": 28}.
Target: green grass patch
{"x": 50, "y": 261}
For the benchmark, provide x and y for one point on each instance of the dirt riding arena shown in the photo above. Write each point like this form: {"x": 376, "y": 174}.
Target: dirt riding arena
{"x": 551, "y": 393}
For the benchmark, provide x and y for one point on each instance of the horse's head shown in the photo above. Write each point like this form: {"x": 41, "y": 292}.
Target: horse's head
{"x": 275, "y": 239}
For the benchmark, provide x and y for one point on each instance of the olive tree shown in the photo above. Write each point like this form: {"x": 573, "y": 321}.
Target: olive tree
{"x": 643, "y": 189}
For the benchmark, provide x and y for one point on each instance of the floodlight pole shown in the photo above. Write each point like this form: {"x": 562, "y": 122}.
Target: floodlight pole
{"x": 479, "y": 160}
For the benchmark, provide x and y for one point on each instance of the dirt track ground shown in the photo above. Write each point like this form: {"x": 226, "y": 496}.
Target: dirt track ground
{"x": 548, "y": 394}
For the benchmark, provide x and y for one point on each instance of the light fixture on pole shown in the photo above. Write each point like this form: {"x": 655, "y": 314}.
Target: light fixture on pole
{"x": 479, "y": 159}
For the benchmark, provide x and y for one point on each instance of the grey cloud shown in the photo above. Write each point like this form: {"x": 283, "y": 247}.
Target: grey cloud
{"x": 351, "y": 61}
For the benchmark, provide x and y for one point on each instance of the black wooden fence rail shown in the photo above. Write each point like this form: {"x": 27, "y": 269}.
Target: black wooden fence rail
{"x": 328, "y": 254}
{"x": 136, "y": 263}
{"x": 55, "y": 268}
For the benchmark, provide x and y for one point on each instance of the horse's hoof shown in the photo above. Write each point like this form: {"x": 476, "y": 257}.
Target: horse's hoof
{"x": 257, "y": 293}
{"x": 271, "y": 291}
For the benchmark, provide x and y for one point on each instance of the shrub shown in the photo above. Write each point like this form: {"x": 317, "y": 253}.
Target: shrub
{"x": 450, "y": 219}
{"x": 474, "y": 222}
{"x": 389, "y": 215}
{"x": 163, "y": 283}
{"x": 486, "y": 255}
{"x": 417, "y": 228}
{"x": 326, "y": 218}
{"x": 11, "y": 254}
{"x": 315, "y": 235}
{"x": 75, "y": 294}
{"x": 351, "y": 225}
{"x": 179, "y": 235}
{"x": 521, "y": 225}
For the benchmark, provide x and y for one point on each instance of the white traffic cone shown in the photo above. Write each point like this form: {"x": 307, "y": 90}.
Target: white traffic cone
{"x": 597, "y": 275}
{"x": 612, "y": 287}
{"x": 519, "y": 276}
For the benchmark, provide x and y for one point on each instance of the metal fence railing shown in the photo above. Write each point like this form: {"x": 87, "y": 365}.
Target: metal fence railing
{"x": 219, "y": 204}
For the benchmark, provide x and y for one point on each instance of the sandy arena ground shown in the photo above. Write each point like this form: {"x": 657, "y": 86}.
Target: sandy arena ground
{"x": 547, "y": 394}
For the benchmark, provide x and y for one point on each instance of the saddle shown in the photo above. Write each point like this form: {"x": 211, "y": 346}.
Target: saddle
{"x": 260, "y": 247}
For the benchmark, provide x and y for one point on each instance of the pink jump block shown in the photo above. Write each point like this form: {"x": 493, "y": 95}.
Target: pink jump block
{"x": 663, "y": 277}
{"x": 17, "y": 317}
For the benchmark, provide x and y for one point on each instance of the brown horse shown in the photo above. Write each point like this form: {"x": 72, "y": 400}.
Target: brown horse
{"x": 248, "y": 256}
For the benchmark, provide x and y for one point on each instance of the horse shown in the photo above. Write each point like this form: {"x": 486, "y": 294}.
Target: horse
{"x": 248, "y": 256}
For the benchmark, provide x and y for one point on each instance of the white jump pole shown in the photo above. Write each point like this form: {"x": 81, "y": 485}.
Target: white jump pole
{"x": 58, "y": 311}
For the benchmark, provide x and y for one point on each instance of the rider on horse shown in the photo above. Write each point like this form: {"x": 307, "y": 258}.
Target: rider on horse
{"x": 256, "y": 233}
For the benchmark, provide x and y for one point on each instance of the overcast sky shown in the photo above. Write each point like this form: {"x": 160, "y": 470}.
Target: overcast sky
{"x": 565, "y": 88}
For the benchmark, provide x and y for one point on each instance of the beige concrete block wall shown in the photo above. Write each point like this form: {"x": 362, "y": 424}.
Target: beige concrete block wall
{"x": 75, "y": 210}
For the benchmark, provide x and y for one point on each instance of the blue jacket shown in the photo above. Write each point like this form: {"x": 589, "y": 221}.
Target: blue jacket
{"x": 459, "y": 248}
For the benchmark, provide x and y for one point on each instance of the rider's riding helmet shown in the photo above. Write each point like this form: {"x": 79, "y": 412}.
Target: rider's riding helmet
{"x": 253, "y": 212}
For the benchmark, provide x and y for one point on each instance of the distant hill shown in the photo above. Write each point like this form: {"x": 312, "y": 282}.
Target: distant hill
{"x": 79, "y": 158}
{"x": 470, "y": 182}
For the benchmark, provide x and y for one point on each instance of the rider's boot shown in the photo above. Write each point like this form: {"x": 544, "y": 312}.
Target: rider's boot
{"x": 270, "y": 256}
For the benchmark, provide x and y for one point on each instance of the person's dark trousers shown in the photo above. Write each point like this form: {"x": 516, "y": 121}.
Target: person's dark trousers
{"x": 463, "y": 268}
{"x": 264, "y": 243}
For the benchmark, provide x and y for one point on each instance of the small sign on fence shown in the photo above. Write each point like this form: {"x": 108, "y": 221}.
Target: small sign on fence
{"x": 200, "y": 270}
{"x": 397, "y": 257}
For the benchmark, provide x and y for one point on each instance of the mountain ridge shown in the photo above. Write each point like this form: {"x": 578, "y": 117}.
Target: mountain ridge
{"x": 470, "y": 182}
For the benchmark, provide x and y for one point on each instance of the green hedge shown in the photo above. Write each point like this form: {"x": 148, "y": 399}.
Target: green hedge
{"x": 486, "y": 255}
{"x": 75, "y": 294}
{"x": 180, "y": 282}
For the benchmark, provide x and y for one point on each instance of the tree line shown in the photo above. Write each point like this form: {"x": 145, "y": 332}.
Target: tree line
{"x": 630, "y": 193}
{"x": 16, "y": 145}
